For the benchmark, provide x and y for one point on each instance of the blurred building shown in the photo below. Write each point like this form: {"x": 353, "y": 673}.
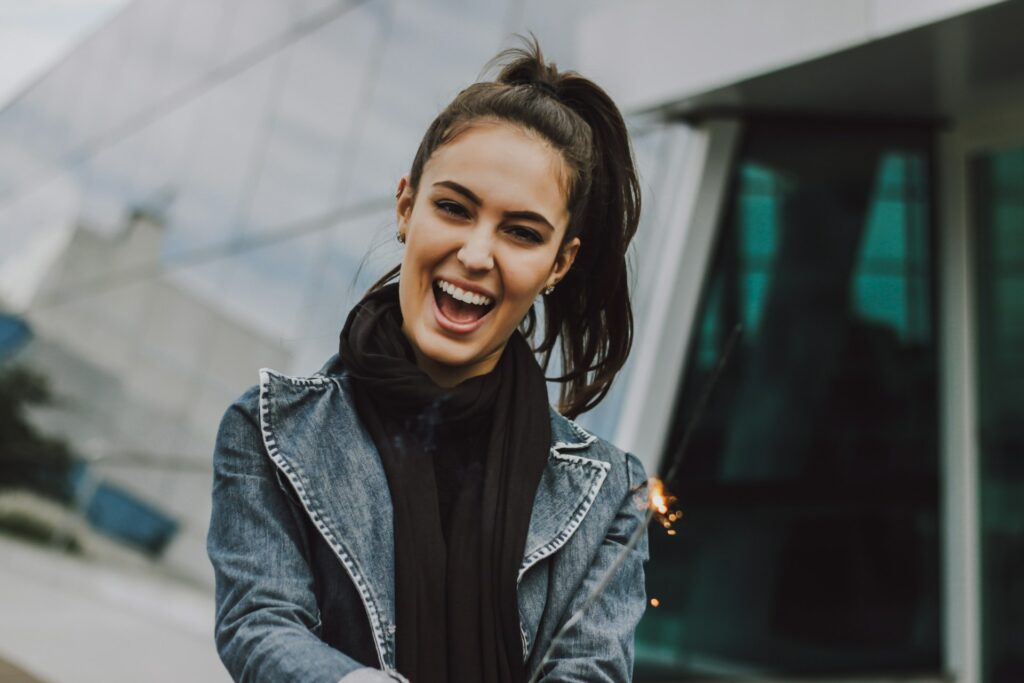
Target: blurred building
{"x": 204, "y": 187}
{"x": 138, "y": 368}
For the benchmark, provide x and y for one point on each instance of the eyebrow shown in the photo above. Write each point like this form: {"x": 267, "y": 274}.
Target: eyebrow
{"x": 471, "y": 196}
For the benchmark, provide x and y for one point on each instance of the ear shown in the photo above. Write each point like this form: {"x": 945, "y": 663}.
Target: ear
{"x": 563, "y": 261}
{"x": 403, "y": 204}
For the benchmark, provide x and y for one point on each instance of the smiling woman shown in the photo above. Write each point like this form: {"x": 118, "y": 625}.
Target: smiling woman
{"x": 416, "y": 510}
{"x": 480, "y": 247}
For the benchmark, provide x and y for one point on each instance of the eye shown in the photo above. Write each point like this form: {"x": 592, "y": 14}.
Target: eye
{"x": 451, "y": 208}
{"x": 525, "y": 234}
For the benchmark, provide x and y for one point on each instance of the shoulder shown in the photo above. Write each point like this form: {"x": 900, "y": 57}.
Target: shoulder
{"x": 278, "y": 387}
{"x": 242, "y": 413}
{"x": 278, "y": 408}
{"x": 282, "y": 394}
{"x": 274, "y": 392}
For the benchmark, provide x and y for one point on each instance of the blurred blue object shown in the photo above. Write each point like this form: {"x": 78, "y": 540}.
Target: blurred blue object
{"x": 118, "y": 513}
{"x": 14, "y": 334}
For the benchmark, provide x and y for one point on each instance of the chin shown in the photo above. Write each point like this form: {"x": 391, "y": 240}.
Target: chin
{"x": 441, "y": 351}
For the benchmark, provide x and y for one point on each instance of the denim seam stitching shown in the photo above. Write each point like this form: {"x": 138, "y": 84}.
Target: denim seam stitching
{"x": 574, "y": 461}
{"x": 274, "y": 452}
{"x": 587, "y": 437}
{"x": 577, "y": 517}
{"x": 315, "y": 380}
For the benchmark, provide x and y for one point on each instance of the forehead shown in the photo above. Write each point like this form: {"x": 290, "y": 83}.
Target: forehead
{"x": 505, "y": 166}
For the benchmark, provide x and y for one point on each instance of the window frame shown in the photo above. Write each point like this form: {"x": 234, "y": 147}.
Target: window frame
{"x": 989, "y": 130}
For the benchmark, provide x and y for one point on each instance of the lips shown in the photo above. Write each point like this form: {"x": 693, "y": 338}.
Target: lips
{"x": 458, "y": 316}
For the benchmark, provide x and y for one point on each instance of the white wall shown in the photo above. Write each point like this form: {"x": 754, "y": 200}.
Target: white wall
{"x": 651, "y": 52}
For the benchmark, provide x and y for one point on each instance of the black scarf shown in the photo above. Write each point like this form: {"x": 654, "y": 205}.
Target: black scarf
{"x": 457, "y": 611}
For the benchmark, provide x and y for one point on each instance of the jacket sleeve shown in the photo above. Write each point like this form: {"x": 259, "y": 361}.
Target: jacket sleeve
{"x": 266, "y": 609}
{"x": 598, "y": 648}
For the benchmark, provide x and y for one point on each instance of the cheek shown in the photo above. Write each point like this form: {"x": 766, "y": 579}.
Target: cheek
{"x": 524, "y": 279}
{"x": 427, "y": 244}
{"x": 419, "y": 258}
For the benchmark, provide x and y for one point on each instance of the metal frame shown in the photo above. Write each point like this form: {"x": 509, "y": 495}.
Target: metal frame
{"x": 681, "y": 263}
{"x": 990, "y": 130}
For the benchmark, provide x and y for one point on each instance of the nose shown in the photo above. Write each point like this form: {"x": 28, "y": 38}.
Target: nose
{"x": 476, "y": 252}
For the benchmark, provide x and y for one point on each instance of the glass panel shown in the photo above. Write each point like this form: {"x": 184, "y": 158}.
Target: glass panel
{"x": 809, "y": 538}
{"x": 222, "y": 160}
{"x": 194, "y": 45}
{"x": 253, "y": 28}
{"x": 94, "y": 64}
{"x": 302, "y": 165}
{"x": 144, "y": 30}
{"x": 403, "y": 101}
{"x": 21, "y": 163}
{"x": 116, "y": 86}
{"x": 146, "y": 76}
{"x": 313, "y": 10}
{"x": 355, "y": 253}
{"x": 998, "y": 184}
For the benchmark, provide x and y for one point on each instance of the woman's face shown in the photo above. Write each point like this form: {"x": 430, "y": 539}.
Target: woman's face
{"x": 483, "y": 236}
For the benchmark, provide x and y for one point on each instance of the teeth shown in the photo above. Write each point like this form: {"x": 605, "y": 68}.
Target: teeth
{"x": 462, "y": 295}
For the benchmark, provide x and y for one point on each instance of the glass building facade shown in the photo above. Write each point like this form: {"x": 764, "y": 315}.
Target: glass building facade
{"x": 809, "y": 542}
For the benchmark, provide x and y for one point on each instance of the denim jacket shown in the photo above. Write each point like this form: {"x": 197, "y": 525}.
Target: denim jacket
{"x": 302, "y": 545}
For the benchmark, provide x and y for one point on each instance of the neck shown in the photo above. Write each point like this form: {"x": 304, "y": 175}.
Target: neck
{"x": 448, "y": 376}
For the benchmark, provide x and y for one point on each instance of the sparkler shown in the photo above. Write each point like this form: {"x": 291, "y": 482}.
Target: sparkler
{"x": 658, "y": 502}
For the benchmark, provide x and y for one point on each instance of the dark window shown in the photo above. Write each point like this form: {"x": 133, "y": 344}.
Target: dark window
{"x": 809, "y": 541}
{"x": 998, "y": 201}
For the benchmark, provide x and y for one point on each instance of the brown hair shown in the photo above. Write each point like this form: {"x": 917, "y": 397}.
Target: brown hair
{"x": 590, "y": 308}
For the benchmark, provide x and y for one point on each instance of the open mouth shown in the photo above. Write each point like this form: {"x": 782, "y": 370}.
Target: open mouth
{"x": 458, "y": 306}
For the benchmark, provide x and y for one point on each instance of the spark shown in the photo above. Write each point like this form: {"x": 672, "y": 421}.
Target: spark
{"x": 660, "y": 503}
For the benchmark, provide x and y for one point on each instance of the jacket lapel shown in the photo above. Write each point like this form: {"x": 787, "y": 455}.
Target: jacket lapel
{"x": 314, "y": 437}
{"x": 568, "y": 488}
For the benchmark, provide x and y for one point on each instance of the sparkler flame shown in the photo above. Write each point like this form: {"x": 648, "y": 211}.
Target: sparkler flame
{"x": 660, "y": 503}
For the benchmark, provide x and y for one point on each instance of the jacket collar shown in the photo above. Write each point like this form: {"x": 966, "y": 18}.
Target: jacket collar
{"x": 306, "y": 422}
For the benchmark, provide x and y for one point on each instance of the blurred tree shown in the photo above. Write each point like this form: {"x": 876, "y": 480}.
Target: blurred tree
{"x": 28, "y": 459}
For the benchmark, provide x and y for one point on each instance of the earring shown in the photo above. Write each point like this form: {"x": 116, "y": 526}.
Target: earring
{"x": 400, "y": 237}
{"x": 548, "y": 290}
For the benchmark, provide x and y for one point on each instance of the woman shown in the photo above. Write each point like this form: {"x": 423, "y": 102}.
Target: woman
{"x": 416, "y": 510}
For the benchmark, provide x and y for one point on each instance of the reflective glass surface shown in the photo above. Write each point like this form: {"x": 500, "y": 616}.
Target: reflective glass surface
{"x": 305, "y": 156}
{"x": 998, "y": 208}
{"x": 808, "y": 542}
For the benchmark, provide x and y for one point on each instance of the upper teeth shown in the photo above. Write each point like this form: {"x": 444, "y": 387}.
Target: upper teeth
{"x": 462, "y": 295}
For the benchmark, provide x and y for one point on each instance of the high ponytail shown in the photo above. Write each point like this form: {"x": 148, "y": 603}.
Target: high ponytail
{"x": 590, "y": 309}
